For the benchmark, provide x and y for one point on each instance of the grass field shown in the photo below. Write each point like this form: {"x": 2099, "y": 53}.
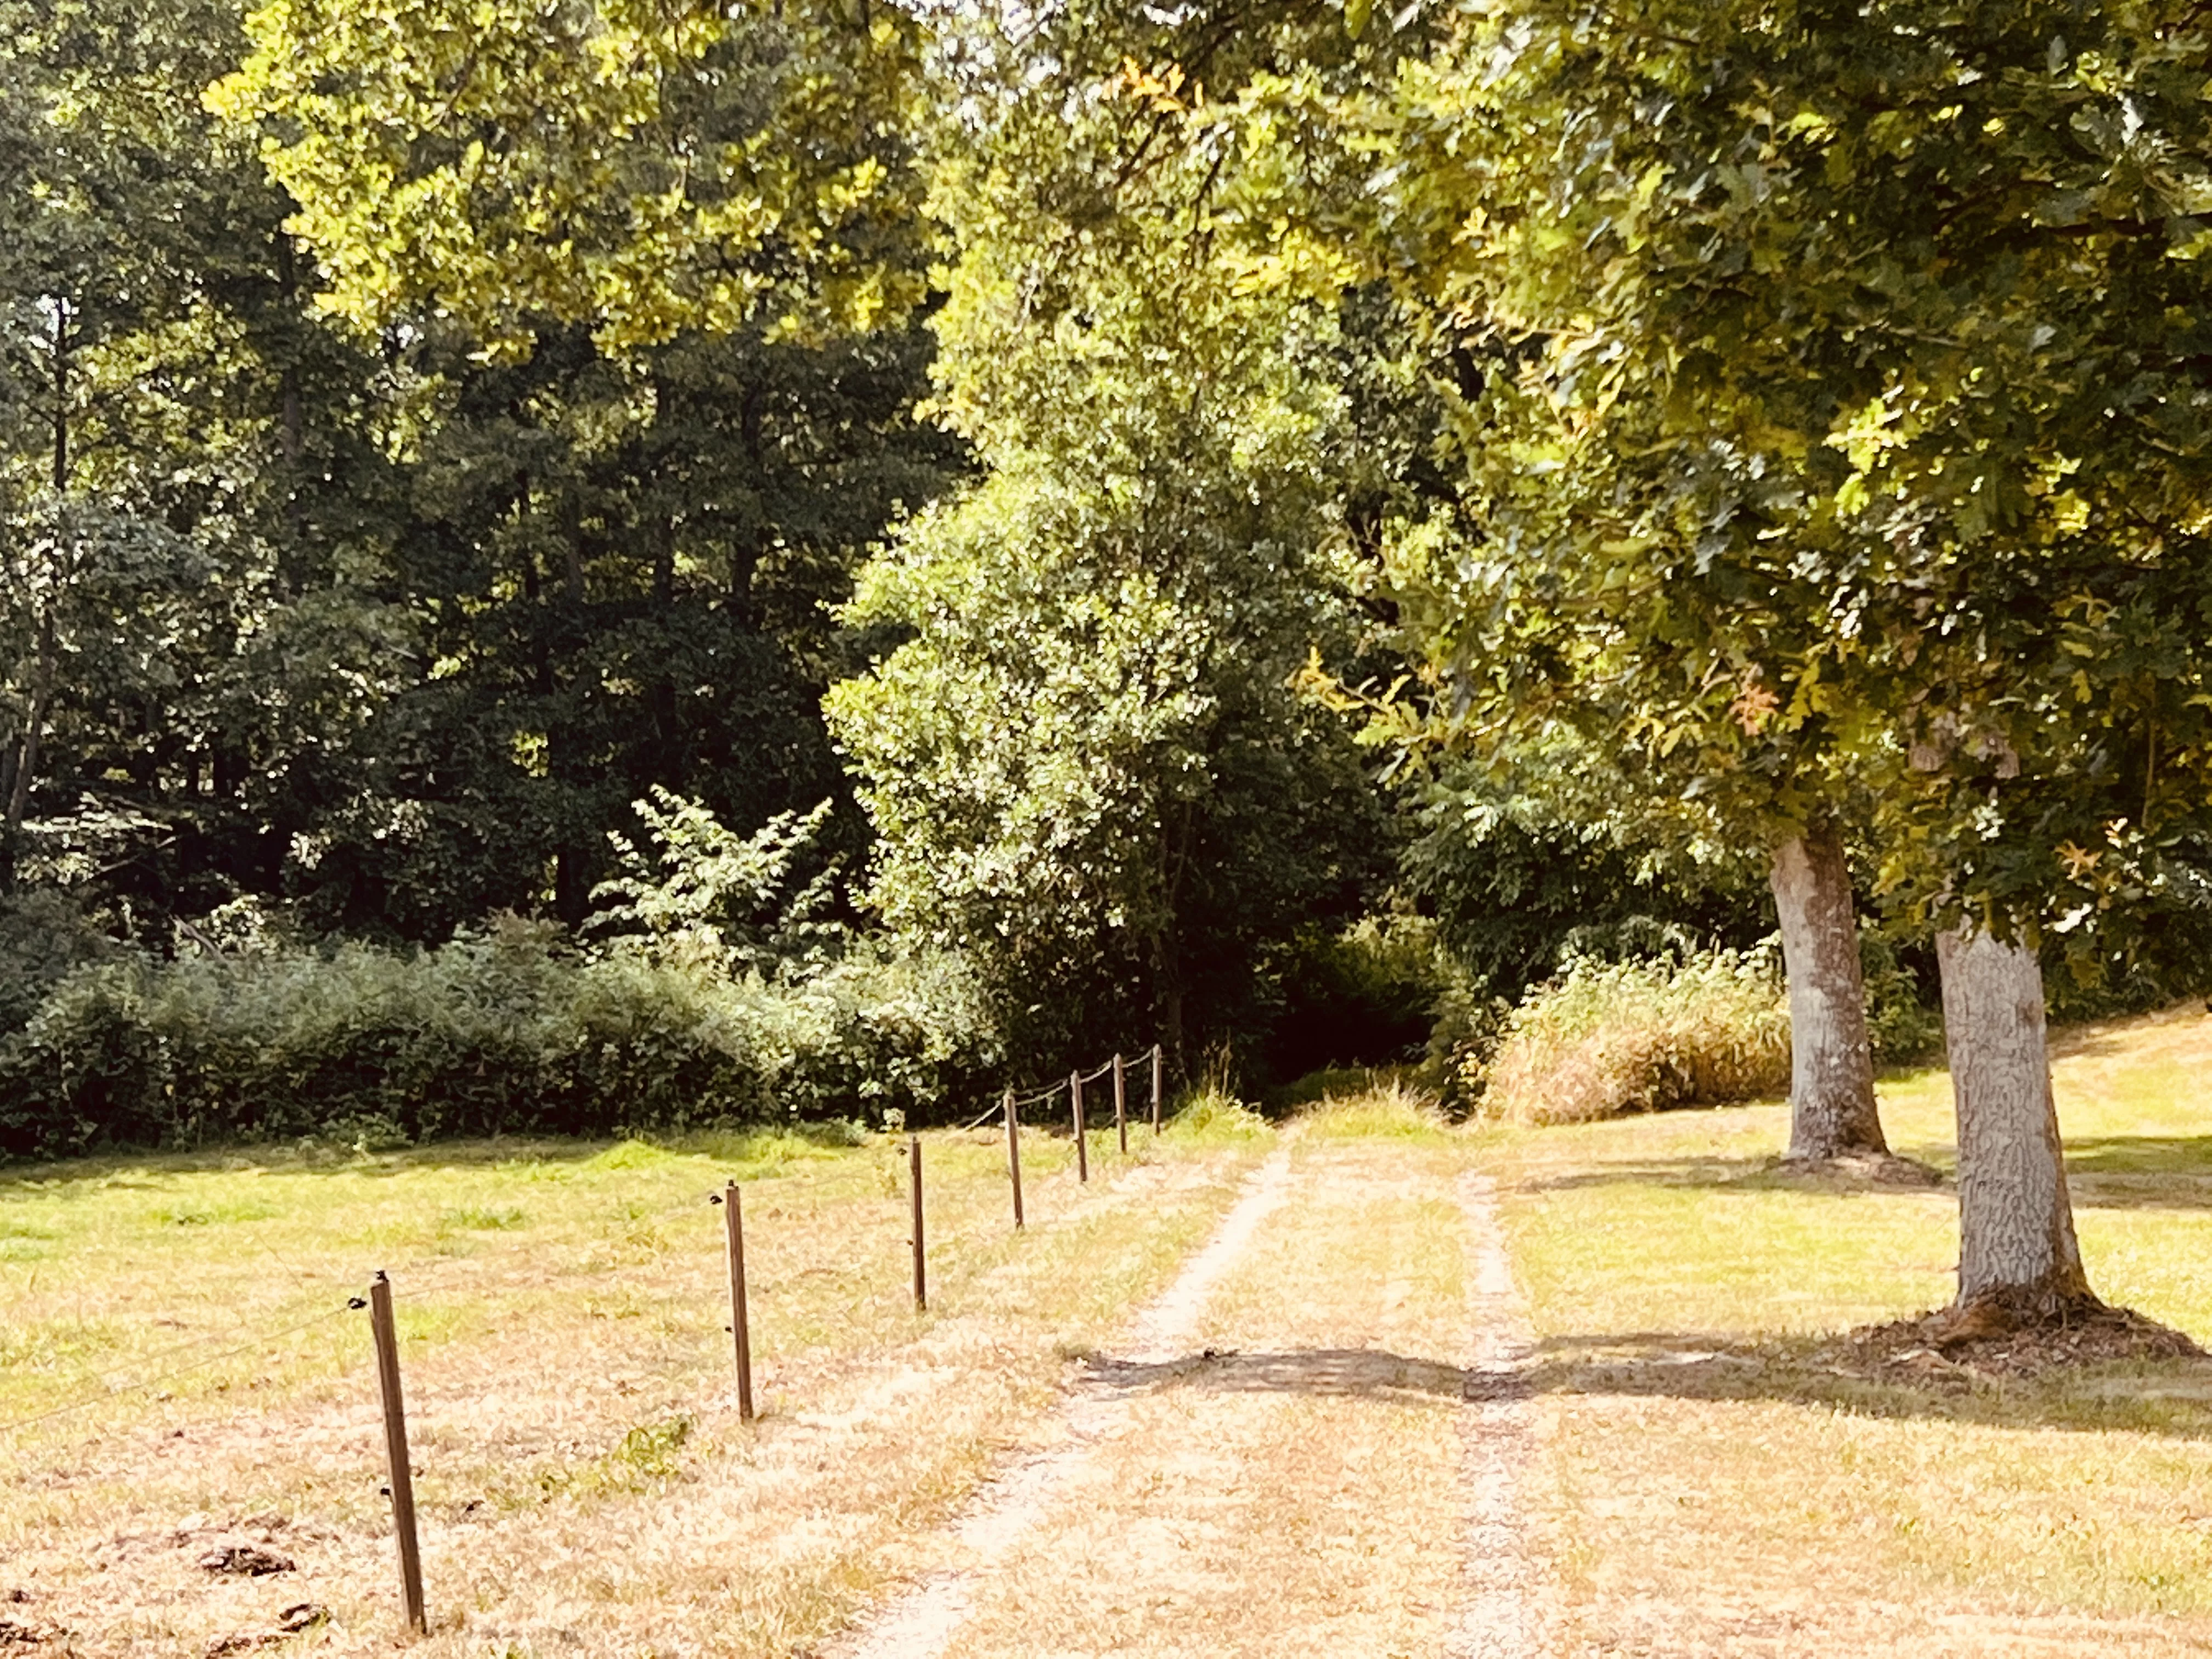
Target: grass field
{"x": 562, "y": 1312}
{"x": 1723, "y": 1485}
{"x": 1715, "y": 1474}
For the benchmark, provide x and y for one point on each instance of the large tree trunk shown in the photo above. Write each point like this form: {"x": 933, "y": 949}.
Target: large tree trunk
{"x": 2018, "y": 1257}
{"x": 1832, "y": 1105}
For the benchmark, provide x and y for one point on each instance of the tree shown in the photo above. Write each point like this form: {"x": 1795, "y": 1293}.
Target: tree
{"x": 1845, "y": 376}
{"x": 371, "y": 621}
{"x": 1538, "y": 643}
{"x": 641, "y": 278}
{"x": 1083, "y": 755}
{"x": 618, "y": 568}
{"x": 1552, "y": 855}
{"x": 1411, "y": 178}
{"x": 179, "y": 626}
{"x": 640, "y": 169}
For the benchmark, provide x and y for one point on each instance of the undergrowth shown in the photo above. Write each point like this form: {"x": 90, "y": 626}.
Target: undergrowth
{"x": 1606, "y": 1038}
{"x": 506, "y": 1031}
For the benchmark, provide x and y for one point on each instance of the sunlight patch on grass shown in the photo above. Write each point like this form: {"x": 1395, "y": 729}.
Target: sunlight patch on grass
{"x": 1213, "y": 1116}
{"x": 1392, "y": 1110}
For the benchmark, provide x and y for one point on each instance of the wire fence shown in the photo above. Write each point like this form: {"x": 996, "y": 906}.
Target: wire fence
{"x": 423, "y": 1273}
{"x": 431, "y": 1273}
{"x": 1037, "y": 1097}
{"x": 252, "y": 1345}
{"x": 438, "y": 1272}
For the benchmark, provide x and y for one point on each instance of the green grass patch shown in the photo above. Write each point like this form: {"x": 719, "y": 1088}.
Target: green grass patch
{"x": 1390, "y": 1111}
{"x": 222, "y": 1214}
{"x": 648, "y": 1455}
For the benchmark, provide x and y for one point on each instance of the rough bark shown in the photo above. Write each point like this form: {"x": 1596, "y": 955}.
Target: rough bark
{"x": 1831, "y": 1106}
{"x": 2017, "y": 1253}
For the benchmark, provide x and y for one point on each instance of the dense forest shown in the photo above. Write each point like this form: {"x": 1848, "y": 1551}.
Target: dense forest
{"x": 590, "y": 563}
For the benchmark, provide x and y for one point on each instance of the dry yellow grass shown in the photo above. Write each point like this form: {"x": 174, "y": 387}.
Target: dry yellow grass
{"x": 1710, "y": 1482}
{"x": 1723, "y": 1487}
{"x": 1609, "y": 1038}
{"x": 1286, "y": 1480}
{"x": 585, "y": 1485}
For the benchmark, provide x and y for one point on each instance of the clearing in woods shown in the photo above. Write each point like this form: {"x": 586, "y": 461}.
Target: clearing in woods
{"x": 1265, "y": 1392}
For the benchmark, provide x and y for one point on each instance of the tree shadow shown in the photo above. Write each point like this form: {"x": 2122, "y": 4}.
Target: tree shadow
{"x": 1362, "y": 1373}
{"x": 153, "y": 1171}
{"x": 2168, "y": 1397}
{"x": 2140, "y": 1172}
{"x": 1761, "y": 1174}
{"x": 2105, "y": 1172}
{"x": 127, "y": 1169}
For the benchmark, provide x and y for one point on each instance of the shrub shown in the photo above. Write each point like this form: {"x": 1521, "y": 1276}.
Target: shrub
{"x": 1903, "y": 1023}
{"x": 1607, "y": 1038}
{"x": 505, "y": 1030}
{"x": 43, "y": 937}
{"x": 1213, "y": 1114}
{"x": 1387, "y": 1106}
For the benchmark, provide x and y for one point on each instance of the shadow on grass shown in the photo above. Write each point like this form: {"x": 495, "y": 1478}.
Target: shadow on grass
{"x": 2113, "y": 1172}
{"x": 1762, "y": 1174}
{"x": 151, "y": 1170}
{"x": 2171, "y": 1398}
{"x": 2163, "y": 1397}
{"x": 1368, "y": 1373}
{"x": 2140, "y": 1172}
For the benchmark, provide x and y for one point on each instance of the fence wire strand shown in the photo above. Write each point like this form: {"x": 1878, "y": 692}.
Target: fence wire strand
{"x": 87, "y": 1401}
{"x": 432, "y": 1273}
{"x": 1051, "y": 1090}
{"x": 424, "y": 1272}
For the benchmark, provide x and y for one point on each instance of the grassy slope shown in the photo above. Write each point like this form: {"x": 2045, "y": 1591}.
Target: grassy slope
{"x": 1717, "y": 1475}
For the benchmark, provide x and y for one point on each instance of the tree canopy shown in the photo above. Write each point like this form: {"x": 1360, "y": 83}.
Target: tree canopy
{"x": 1169, "y": 498}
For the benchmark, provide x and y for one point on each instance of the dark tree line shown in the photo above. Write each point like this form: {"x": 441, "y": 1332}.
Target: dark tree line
{"x": 375, "y": 625}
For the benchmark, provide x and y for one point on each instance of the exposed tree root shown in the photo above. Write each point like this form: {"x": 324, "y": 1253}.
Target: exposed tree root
{"x": 1863, "y": 1170}
{"x": 1995, "y": 1336}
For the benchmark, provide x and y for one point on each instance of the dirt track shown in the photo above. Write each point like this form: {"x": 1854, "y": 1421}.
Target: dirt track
{"x": 1310, "y": 1444}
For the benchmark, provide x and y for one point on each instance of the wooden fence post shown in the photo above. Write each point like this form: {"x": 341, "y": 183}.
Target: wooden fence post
{"x": 395, "y": 1452}
{"x": 1120, "y": 1106}
{"x": 734, "y": 1226}
{"x": 1156, "y": 1088}
{"x": 1082, "y": 1151}
{"x": 921, "y": 1279}
{"x": 1014, "y": 1155}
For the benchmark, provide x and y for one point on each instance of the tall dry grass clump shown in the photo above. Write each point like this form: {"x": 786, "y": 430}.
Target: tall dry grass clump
{"x": 1607, "y": 1038}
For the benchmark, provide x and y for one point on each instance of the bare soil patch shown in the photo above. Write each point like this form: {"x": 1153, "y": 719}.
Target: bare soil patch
{"x": 1506, "y": 1611}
